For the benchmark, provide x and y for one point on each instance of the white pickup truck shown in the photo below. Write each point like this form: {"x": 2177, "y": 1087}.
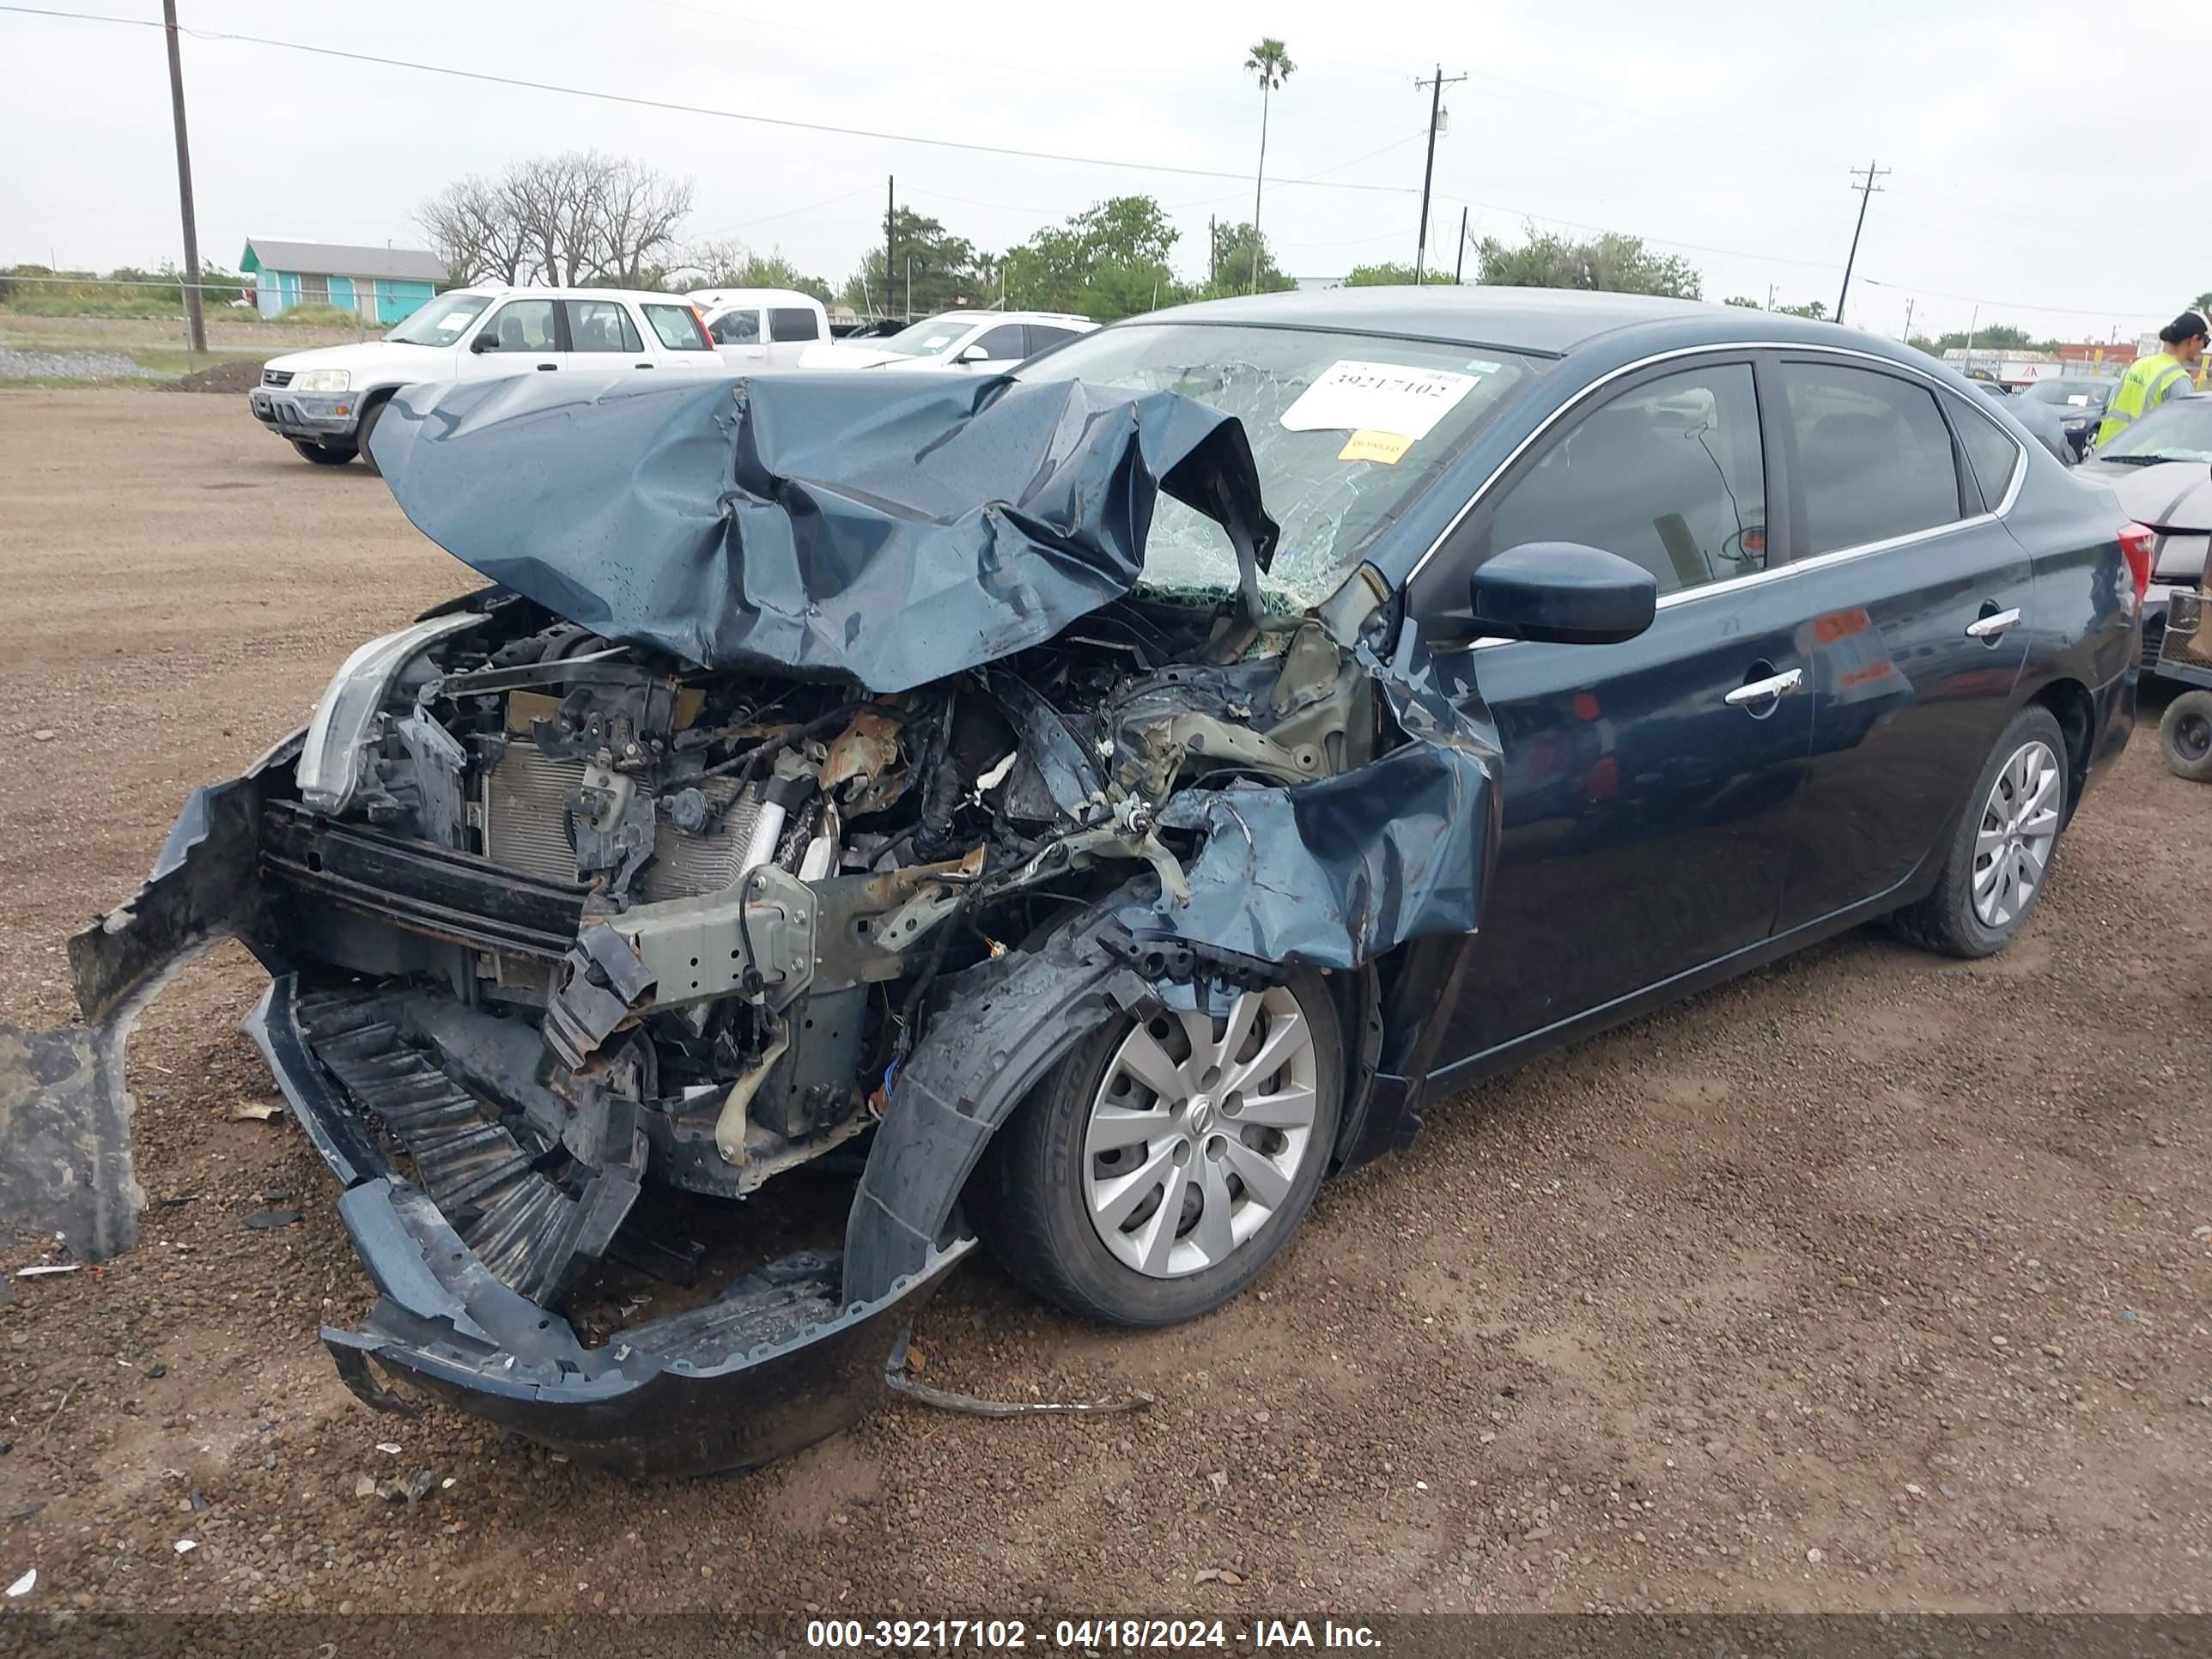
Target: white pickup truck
{"x": 326, "y": 402}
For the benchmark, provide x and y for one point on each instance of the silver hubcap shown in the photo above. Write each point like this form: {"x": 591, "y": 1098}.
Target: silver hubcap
{"x": 2020, "y": 823}
{"x": 1199, "y": 1131}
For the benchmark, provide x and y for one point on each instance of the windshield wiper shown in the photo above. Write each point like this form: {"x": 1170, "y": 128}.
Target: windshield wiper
{"x": 2140, "y": 460}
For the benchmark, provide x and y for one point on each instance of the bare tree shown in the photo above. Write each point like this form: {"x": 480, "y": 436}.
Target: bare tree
{"x": 565, "y": 220}
{"x": 634, "y": 215}
{"x": 472, "y": 232}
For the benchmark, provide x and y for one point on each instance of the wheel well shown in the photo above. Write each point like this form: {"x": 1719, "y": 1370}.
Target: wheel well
{"x": 2069, "y": 701}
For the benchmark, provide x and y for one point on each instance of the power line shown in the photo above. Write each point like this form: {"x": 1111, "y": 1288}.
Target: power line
{"x": 2015, "y": 304}
{"x": 671, "y": 108}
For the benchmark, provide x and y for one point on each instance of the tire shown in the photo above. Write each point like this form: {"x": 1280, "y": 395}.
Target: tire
{"x": 1033, "y": 1192}
{"x": 369, "y": 417}
{"x": 320, "y": 456}
{"x": 1952, "y": 920}
{"x": 2184, "y": 736}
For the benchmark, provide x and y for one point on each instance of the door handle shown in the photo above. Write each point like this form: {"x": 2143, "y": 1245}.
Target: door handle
{"x": 1990, "y": 628}
{"x": 645, "y": 365}
{"x": 1780, "y": 685}
{"x": 547, "y": 368}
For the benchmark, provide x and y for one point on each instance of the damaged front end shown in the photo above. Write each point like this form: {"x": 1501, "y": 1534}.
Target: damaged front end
{"x": 790, "y": 798}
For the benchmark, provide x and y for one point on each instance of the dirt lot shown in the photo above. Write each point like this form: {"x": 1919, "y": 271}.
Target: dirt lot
{"x": 1871, "y": 1282}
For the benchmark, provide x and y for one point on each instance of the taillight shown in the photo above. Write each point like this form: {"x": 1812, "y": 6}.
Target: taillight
{"x": 2137, "y": 543}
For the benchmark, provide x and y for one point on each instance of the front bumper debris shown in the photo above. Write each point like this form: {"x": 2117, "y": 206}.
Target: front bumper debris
{"x": 775, "y": 1363}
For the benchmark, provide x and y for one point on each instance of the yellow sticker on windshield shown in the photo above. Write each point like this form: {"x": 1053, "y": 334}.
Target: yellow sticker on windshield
{"x": 1387, "y": 447}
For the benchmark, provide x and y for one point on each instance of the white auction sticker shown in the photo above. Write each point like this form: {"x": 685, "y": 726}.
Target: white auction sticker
{"x": 1357, "y": 397}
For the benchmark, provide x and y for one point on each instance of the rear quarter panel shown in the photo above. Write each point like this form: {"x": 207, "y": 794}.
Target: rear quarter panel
{"x": 2086, "y": 630}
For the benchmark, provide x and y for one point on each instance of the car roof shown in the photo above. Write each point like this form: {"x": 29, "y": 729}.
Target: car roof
{"x": 722, "y": 298}
{"x": 496, "y": 292}
{"x": 1547, "y": 320}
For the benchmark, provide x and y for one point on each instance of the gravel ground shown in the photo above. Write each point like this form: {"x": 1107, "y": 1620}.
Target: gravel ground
{"x": 1870, "y": 1282}
{"x": 16, "y": 365}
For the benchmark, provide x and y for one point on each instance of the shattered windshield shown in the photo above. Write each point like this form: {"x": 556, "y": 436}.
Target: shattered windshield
{"x": 1346, "y": 429}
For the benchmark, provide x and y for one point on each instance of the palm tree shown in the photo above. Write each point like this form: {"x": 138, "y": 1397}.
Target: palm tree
{"x": 1271, "y": 61}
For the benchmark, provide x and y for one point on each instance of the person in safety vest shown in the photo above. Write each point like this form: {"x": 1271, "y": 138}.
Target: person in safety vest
{"x": 2151, "y": 380}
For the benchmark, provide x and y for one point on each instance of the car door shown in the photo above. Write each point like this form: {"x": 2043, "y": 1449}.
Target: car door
{"x": 1649, "y": 787}
{"x": 790, "y": 330}
{"x": 1924, "y": 604}
{"x": 738, "y": 335}
{"x": 518, "y": 338}
{"x": 995, "y": 350}
{"x": 604, "y": 338}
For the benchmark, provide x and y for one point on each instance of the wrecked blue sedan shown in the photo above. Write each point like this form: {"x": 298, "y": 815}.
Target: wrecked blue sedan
{"x": 1070, "y": 798}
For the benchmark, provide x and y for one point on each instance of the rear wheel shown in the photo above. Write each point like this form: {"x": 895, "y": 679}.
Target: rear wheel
{"x": 2184, "y": 736}
{"x": 2000, "y": 853}
{"x": 320, "y": 456}
{"x": 1156, "y": 1171}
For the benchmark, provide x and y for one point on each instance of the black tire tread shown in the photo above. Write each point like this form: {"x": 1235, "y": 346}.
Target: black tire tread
{"x": 2200, "y": 770}
{"x": 1007, "y": 1195}
{"x": 1943, "y": 923}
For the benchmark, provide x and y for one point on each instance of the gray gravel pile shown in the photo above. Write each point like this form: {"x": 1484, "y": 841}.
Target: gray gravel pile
{"x": 72, "y": 366}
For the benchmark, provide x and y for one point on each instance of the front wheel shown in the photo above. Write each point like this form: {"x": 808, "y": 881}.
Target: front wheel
{"x": 320, "y": 456}
{"x": 2184, "y": 736}
{"x": 1995, "y": 865}
{"x": 1156, "y": 1171}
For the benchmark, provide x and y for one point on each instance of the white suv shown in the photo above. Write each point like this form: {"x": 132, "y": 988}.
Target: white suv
{"x": 985, "y": 341}
{"x": 327, "y": 401}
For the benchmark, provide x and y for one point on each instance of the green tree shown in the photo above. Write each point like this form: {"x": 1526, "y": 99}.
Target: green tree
{"x": 2202, "y": 303}
{"x": 1269, "y": 60}
{"x": 1610, "y": 263}
{"x": 1816, "y": 309}
{"x": 1239, "y": 261}
{"x": 936, "y": 271}
{"x": 1108, "y": 261}
{"x": 729, "y": 264}
{"x": 1388, "y": 274}
{"x": 1987, "y": 337}
{"x": 1744, "y": 301}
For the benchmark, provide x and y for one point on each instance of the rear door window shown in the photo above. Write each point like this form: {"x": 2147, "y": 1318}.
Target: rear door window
{"x": 736, "y": 328}
{"x": 1873, "y": 455}
{"x": 677, "y": 327}
{"x": 601, "y": 325}
{"x": 1992, "y": 455}
{"x": 1043, "y": 334}
{"x": 793, "y": 323}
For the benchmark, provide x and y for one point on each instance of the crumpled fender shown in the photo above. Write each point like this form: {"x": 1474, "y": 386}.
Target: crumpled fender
{"x": 895, "y": 529}
{"x": 1334, "y": 874}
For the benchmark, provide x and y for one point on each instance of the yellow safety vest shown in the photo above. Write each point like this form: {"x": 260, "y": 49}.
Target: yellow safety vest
{"x": 2149, "y": 382}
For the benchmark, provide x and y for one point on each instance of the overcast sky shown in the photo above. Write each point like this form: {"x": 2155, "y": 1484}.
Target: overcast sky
{"x": 1725, "y": 132}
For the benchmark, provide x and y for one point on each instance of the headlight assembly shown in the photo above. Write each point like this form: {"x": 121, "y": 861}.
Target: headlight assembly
{"x": 322, "y": 379}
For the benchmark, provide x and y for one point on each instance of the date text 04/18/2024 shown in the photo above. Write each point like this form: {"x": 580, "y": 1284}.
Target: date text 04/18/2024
{"x": 1084, "y": 1635}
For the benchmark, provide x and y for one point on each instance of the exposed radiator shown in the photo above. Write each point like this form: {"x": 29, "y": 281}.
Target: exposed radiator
{"x": 526, "y": 794}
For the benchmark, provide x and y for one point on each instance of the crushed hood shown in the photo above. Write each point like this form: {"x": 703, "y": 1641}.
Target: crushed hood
{"x": 891, "y": 530}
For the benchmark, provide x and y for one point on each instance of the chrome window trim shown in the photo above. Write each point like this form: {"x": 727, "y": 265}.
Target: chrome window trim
{"x": 1735, "y": 348}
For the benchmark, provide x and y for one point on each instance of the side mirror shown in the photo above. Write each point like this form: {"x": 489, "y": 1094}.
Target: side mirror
{"x": 974, "y": 353}
{"x": 486, "y": 341}
{"x": 1562, "y": 592}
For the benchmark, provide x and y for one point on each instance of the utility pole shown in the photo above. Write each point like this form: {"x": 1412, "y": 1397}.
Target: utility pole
{"x": 1459, "y": 259}
{"x": 1770, "y": 297}
{"x": 891, "y": 241}
{"x": 1908, "y": 319}
{"x": 1435, "y": 84}
{"x": 1868, "y": 185}
{"x": 195, "y": 315}
{"x": 1972, "y": 323}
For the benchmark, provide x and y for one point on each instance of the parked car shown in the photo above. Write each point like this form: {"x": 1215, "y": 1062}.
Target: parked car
{"x": 1105, "y": 807}
{"x": 2079, "y": 401}
{"x": 2158, "y": 466}
{"x": 982, "y": 342}
{"x": 326, "y": 402}
{"x": 755, "y": 328}
{"x": 2040, "y": 419}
